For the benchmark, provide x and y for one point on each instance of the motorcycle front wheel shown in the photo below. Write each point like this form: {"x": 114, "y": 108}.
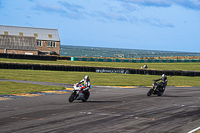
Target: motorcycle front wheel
{"x": 72, "y": 97}
{"x": 150, "y": 92}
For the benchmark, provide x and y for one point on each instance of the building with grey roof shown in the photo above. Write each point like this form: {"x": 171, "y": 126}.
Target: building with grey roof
{"x": 17, "y": 39}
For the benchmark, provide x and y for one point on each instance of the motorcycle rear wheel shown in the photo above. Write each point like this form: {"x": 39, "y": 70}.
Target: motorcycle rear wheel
{"x": 72, "y": 97}
{"x": 160, "y": 93}
{"x": 87, "y": 95}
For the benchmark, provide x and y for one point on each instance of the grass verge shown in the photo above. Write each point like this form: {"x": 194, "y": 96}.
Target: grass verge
{"x": 15, "y": 88}
{"x": 106, "y": 79}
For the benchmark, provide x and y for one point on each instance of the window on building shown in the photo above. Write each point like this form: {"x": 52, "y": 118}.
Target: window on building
{"x": 39, "y": 43}
{"x": 21, "y": 33}
{"x": 50, "y": 35}
{"x": 35, "y": 35}
{"x": 51, "y": 44}
{"x": 5, "y": 32}
{"x": 48, "y": 44}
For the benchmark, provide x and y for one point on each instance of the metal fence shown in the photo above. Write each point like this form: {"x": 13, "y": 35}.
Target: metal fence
{"x": 156, "y": 55}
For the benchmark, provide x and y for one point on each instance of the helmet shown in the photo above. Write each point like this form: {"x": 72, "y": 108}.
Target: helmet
{"x": 163, "y": 75}
{"x": 86, "y": 78}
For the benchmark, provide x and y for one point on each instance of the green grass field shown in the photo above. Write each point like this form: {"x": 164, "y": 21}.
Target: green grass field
{"x": 105, "y": 79}
{"x": 15, "y": 88}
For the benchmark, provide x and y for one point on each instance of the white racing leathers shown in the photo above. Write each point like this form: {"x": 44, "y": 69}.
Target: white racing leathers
{"x": 86, "y": 84}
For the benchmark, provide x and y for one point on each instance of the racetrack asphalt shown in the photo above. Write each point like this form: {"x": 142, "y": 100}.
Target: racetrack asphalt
{"x": 109, "y": 109}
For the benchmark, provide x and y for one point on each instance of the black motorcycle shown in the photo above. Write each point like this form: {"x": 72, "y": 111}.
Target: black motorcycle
{"x": 157, "y": 89}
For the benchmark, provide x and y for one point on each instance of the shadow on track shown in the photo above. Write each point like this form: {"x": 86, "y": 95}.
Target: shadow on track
{"x": 103, "y": 101}
{"x": 77, "y": 101}
{"x": 169, "y": 96}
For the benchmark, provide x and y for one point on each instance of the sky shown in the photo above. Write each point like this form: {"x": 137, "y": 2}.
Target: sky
{"x": 170, "y": 25}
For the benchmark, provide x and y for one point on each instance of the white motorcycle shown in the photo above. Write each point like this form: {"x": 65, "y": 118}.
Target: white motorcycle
{"x": 79, "y": 93}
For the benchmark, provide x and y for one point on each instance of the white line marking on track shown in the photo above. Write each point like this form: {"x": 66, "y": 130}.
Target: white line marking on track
{"x": 194, "y": 130}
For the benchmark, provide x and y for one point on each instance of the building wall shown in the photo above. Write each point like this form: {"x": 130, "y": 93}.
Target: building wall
{"x": 43, "y": 48}
{"x": 10, "y": 51}
{"x": 48, "y": 49}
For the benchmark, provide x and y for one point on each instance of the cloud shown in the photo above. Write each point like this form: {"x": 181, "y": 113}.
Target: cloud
{"x": 157, "y": 3}
{"x": 157, "y": 22}
{"x": 58, "y": 10}
{"x": 48, "y": 8}
{"x": 129, "y": 7}
{"x": 109, "y": 15}
{"x": 192, "y": 4}
{"x": 125, "y": 12}
{"x": 104, "y": 12}
{"x": 74, "y": 7}
{"x": 27, "y": 16}
{"x": 120, "y": 12}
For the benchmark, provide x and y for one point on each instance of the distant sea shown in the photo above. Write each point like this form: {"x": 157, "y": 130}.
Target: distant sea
{"x": 83, "y": 51}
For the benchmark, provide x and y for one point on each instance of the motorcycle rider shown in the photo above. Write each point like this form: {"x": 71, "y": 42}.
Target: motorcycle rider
{"x": 145, "y": 66}
{"x": 164, "y": 81}
{"x": 86, "y": 81}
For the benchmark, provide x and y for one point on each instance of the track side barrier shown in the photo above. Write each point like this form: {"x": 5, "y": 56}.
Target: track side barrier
{"x": 97, "y": 69}
{"x": 29, "y": 57}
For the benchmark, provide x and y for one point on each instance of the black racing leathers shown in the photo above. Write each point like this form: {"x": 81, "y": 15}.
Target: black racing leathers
{"x": 163, "y": 82}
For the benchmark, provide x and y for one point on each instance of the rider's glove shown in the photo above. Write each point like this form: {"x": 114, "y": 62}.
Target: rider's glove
{"x": 77, "y": 85}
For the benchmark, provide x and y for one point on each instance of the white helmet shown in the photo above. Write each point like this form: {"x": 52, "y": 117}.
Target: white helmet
{"x": 163, "y": 75}
{"x": 86, "y": 78}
